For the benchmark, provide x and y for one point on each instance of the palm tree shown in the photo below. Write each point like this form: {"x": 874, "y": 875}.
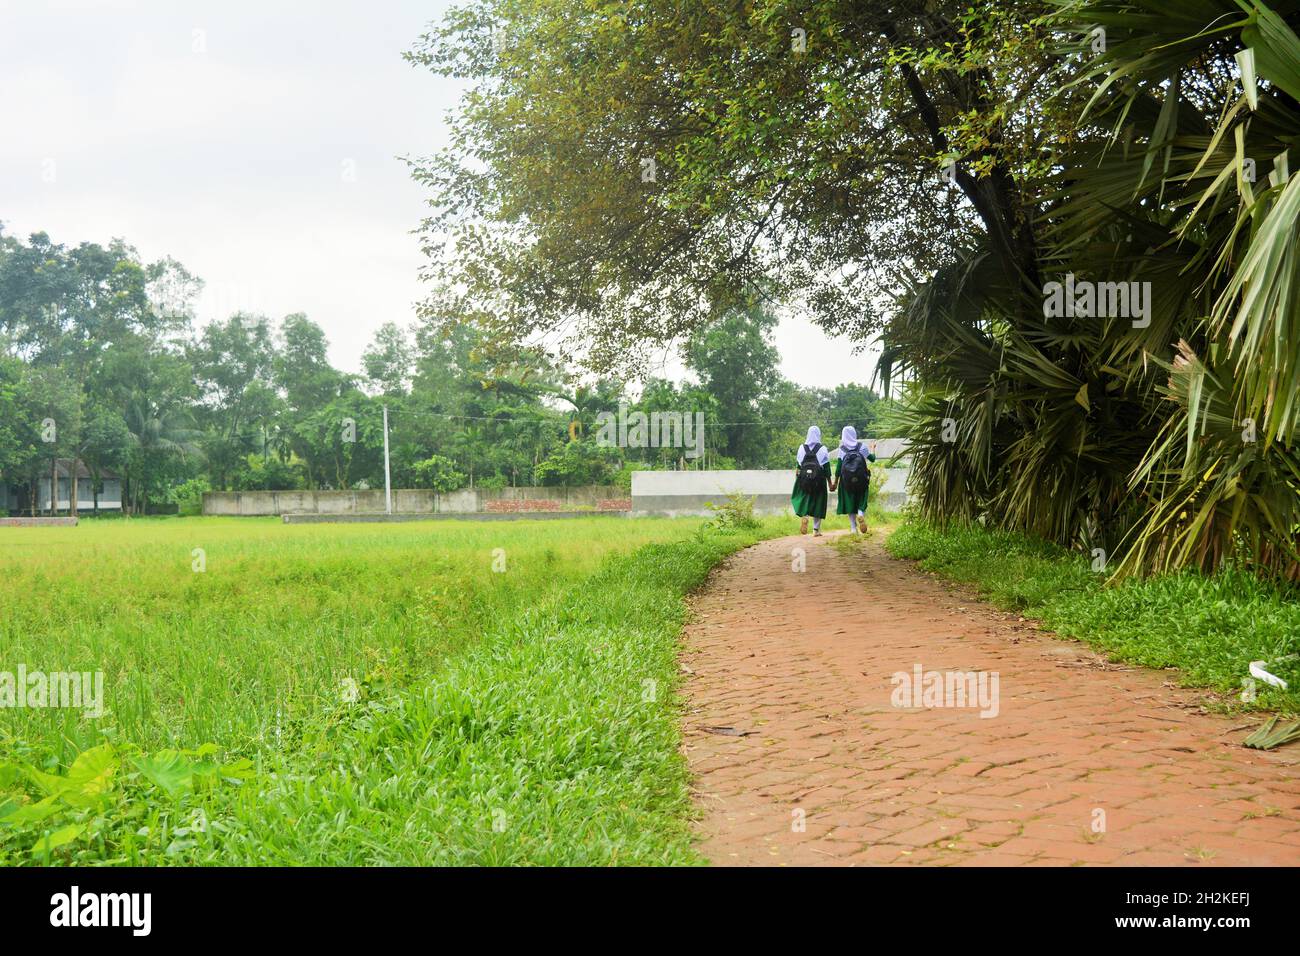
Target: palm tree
{"x": 1174, "y": 437}
{"x": 156, "y": 433}
{"x": 1211, "y": 90}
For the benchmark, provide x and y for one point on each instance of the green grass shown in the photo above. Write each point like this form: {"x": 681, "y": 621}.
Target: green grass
{"x": 280, "y": 617}
{"x": 519, "y": 717}
{"x": 1209, "y": 628}
{"x": 553, "y": 741}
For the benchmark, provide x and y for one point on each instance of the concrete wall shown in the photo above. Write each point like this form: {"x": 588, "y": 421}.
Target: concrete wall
{"x": 679, "y": 493}
{"x": 663, "y": 493}
{"x": 674, "y": 494}
{"x": 416, "y": 501}
{"x": 449, "y": 516}
{"x": 893, "y": 493}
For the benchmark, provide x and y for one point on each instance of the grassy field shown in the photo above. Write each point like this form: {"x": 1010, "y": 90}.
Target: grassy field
{"x": 280, "y": 617}
{"x": 351, "y": 693}
{"x": 1209, "y": 628}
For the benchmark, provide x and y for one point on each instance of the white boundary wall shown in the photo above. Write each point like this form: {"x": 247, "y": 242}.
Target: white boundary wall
{"x": 678, "y": 493}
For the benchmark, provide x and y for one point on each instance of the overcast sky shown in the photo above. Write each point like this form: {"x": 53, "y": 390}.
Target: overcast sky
{"x": 256, "y": 142}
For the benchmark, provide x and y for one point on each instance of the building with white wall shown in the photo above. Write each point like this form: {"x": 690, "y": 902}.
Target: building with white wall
{"x": 15, "y": 498}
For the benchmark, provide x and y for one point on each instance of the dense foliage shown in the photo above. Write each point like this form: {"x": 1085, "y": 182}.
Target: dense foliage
{"x": 1169, "y": 436}
{"x": 102, "y": 360}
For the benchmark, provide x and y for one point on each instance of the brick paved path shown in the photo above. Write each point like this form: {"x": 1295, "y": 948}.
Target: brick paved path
{"x": 799, "y": 664}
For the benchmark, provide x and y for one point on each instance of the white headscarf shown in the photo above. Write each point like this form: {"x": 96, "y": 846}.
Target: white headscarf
{"x": 814, "y": 438}
{"x": 848, "y": 439}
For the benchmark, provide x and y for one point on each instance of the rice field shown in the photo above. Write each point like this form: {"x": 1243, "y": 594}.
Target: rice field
{"x": 227, "y": 630}
{"x": 325, "y": 693}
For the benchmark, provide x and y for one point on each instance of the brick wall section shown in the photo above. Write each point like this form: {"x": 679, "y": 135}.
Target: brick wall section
{"x": 37, "y": 522}
{"x": 521, "y": 504}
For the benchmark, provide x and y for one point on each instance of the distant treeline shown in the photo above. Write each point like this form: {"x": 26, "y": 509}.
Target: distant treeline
{"x": 102, "y": 362}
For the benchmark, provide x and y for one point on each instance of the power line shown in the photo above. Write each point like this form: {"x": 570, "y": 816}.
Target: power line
{"x": 560, "y": 421}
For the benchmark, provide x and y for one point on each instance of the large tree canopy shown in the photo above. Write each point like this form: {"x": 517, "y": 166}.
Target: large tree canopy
{"x": 623, "y": 172}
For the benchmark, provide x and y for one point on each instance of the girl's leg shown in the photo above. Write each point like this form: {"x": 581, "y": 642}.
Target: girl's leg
{"x": 817, "y": 525}
{"x": 853, "y": 522}
{"x": 862, "y": 521}
{"x": 803, "y": 525}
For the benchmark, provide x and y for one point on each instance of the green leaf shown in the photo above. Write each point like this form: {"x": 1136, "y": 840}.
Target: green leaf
{"x": 1246, "y": 62}
{"x": 30, "y": 812}
{"x": 57, "y": 839}
{"x": 169, "y": 770}
{"x": 1275, "y": 49}
{"x": 87, "y": 780}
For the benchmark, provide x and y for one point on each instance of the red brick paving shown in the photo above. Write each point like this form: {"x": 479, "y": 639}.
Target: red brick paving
{"x": 832, "y": 774}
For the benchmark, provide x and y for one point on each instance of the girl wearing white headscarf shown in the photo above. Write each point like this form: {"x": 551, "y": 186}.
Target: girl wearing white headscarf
{"x": 853, "y": 478}
{"x": 812, "y": 471}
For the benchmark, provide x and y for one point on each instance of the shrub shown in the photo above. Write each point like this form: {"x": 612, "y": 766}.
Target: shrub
{"x": 735, "y": 514}
{"x": 269, "y": 474}
{"x": 578, "y": 463}
{"x": 188, "y": 495}
{"x": 439, "y": 473}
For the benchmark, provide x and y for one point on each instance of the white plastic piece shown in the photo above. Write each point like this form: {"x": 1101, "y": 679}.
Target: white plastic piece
{"x": 1257, "y": 671}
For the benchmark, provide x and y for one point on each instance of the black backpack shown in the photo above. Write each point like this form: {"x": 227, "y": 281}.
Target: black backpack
{"x": 853, "y": 471}
{"x": 811, "y": 475}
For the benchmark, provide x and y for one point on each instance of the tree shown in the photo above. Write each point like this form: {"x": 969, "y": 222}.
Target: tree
{"x": 342, "y": 439}
{"x": 1219, "y": 247}
{"x": 310, "y": 386}
{"x": 54, "y": 415}
{"x": 579, "y": 462}
{"x": 78, "y": 310}
{"x": 619, "y": 177}
{"x": 233, "y": 363}
{"x": 438, "y": 473}
{"x": 737, "y": 365}
{"x": 1162, "y": 427}
{"x": 21, "y": 423}
{"x": 388, "y": 361}
{"x": 302, "y": 368}
{"x": 622, "y": 175}
{"x": 160, "y": 434}
{"x": 106, "y": 442}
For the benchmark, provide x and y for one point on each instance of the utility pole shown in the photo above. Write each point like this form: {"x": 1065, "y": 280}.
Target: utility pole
{"x": 388, "y": 482}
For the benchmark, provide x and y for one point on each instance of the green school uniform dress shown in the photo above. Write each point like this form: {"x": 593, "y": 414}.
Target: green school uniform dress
{"x": 846, "y": 503}
{"x": 811, "y": 504}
